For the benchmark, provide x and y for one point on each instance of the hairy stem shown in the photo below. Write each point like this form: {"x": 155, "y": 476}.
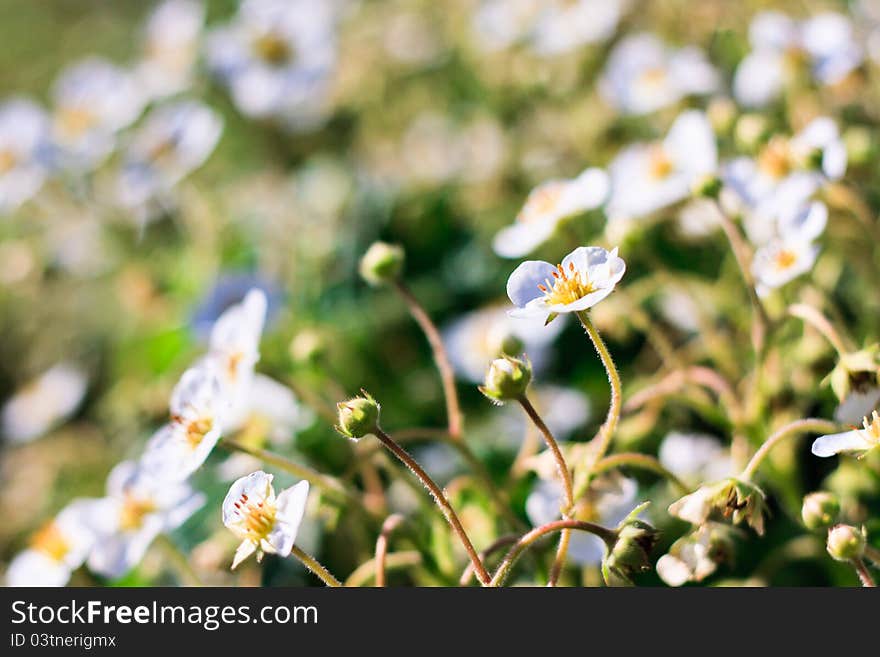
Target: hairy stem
{"x": 606, "y": 431}
{"x": 315, "y": 566}
{"x": 809, "y": 425}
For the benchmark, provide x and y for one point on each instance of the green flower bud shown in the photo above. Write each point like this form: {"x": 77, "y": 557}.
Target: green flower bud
{"x": 511, "y": 345}
{"x": 507, "y": 379}
{"x": 708, "y": 186}
{"x": 820, "y": 510}
{"x": 846, "y": 543}
{"x": 358, "y": 417}
{"x": 631, "y": 552}
{"x": 382, "y": 263}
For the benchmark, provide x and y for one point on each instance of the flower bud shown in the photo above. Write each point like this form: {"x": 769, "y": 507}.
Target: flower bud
{"x": 732, "y": 499}
{"x": 382, "y": 263}
{"x": 722, "y": 114}
{"x": 358, "y": 417}
{"x": 846, "y": 543}
{"x": 751, "y": 130}
{"x": 307, "y": 346}
{"x": 820, "y": 510}
{"x": 708, "y": 186}
{"x": 631, "y": 552}
{"x": 507, "y": 379}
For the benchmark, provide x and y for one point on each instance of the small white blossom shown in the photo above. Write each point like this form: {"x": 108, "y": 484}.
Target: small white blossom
{"x": 235, "y": 341}
{"x": 263, "y": 522}
{"x": 586, "y": 276}
{"x": 644, "y": 75}
{"x": 546, "y": 206}
{"x": 564, "y": 25}
{"x": 44, "y": 403}
{"x": 171, "y": 47}
{"x": 137, "y": 509}
{"x": 23, "y": 135}
{"x": 695, "y": 457}
{"x": 857, "y": 441}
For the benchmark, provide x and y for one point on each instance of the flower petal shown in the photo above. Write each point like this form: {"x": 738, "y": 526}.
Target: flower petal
{"x": 522, "y": 286}
{"x": 835, "y": 443}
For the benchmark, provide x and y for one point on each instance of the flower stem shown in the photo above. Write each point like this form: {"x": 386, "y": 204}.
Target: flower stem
{"x": 809, "y": 425}
{"x": 393, "y": 561}
{"x": 607, "y": 535}
{"x": 440, "y": 498}
{"x": 391, "y": 523}
{"x": 565, "y": 479}
{"x": 185, "y": 571}
{"x": 315, "y": 566}
{"x": 606, "y": 431}
{"x": 504, "y": 541}
{"x": 819, "y": 322}
{"x": 441, "y": 358}
{"x": 873, "y": 554}
{"x": 643, "y": 462}
{"x": 863, "y": 573}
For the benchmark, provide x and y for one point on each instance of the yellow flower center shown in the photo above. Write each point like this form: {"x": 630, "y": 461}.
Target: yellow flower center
{"x": 161, "y": 150}
{"x": 7, "y": 160}
{"x": 50, "y": 541}
{"x": 775, "y": 159}
{"x": 785, "y": 259}
{"x": 196, "y": 430}
{"x": 654, "y": 77}
{"x": 566, "y": 286}
{"x": 541, "y": 202}
{"x": 73, "y": 122}
{"x": 134, "y": 511}
{"x": 272, "y": 49}
{"x": 872, "y": 428}
{"x": 659, "y": 165}
{"x": 258, "y": 517}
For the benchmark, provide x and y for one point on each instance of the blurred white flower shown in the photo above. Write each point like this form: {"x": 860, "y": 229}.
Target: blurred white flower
{"x": 499, "y": 24}
{"x": 857, "y": 441}
{"x": 171, "y": 47}
{"x": 93, "y": 101}
{"x": 263, "y": 522}
{"x": 825, "y": 41}
{"x": 44, "y": 403}
{"x": 608, "y": 501}
{"x": 699, "y": 217}
{"x": 546, "y": 206}
{"x": 695, "y": 458}
{"x": 23, "y": 136}
{"x": 643, "y": 75}
{"x": 586, "y": 276}
{"x": 57, "y": 549}
{"x": 235, "y": 342}
{"x": 137, "y": 509}
{"x": 277, "y": 58}
{"x": 646, "y": 177}
{"x": 562, "y": 409}
{"x": 695, "y": 556}
{"x": 563, "y": 25}
{"x": 174, "y": 140}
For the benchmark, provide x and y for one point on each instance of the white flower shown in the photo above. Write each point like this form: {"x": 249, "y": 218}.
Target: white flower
{"x": 644, "y": 75}
{"x": 262, "y": 521}
{"x": 198, "y": 408}
{"x": 586, "y": 276}
{"x": 646, "y": 177}
{"x": 857, "y": 405}
{"x": 93, "y": 100}
{"x": 174, "y": 140}
{"x": 825, "y": 41}
{"x": 695, "y": 457}
{"x": 171, "y": 46}
{"x": 823, "y": 136}
{"x": 546, "y": 206}
{"x": 235, "y": 340}
{"x": 498, "y": 24}
{"x": 277, "y": 57}
{"x": 782, "y": 260}
{"x": 477, "y": 338}
{"x": 57, "y": 549}
{"x": 23, "y": 134}
{"x": 608, "y": 501}
{"x": 858, "y": 441}
{"x": 693, "y": 557}
{"x": 137, "y": 509}
{"x": 564, "y": 25}
{"x": 44, "y": 403}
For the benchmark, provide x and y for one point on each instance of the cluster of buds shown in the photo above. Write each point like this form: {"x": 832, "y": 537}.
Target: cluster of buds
{"x": 630, "y": 553}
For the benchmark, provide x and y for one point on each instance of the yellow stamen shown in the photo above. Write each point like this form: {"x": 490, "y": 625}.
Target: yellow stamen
{"x": 8, "y": 160}
{"x": 784, "y": 259}
{"x": 258, "y": 517}
{"x": 775, "y": 159}
{"x": 654, "y": 77}
{"x": 134, "y": 511}
{"x": 74, "y": 121}
{"x": 566, "y": 286}
{"x": 660, "y": 166}
{"x": 272, "y": 48}
{"x": 872, "y": 428}
{"x": 50, "y": 541}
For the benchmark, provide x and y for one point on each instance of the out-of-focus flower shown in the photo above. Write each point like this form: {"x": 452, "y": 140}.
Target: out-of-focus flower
{"x": 781, "y": 261}
{"x": 229, "y": 290}
{"x": 57, "y": 549}
{"x": 731, "y": 498}
{"x": 697, "y": 555}
{"x": 174, "y": 140}
{"x": 820, "y": 509}
{"x": 644, "y": 75}
{"x": 263, "y": 522}
{"x": 695, "y": 457}
{"x": 563, "y": 25}
{"x": 93, "y": 101}
{"x": 857, "y": 441}
{"x": 825, "y": 41}
{"x": 171, "y": 47}
{"x": 477, "y": 338}
{"x": 846, "y": 542}
{"x": 44, "y": 403}
{"x": 646, "y": 177}
{"x": 23, "y": 136}
{"x": 586, "y": 276}
{"x": 382, "y": 263}
{"x": 499, "y": 24}
{"x": 608, "y": 501}
{"x": 235, "y": 341}
{"x": 137, "y": 509}
{"x": 277, "y": 58}
{"x": 546, "y": 206}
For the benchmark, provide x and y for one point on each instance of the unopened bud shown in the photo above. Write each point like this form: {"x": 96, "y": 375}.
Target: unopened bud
{"x": 846, "y": 543}
{"x": 382, "y": 263}
{"x": 507, "y": 379}
{"x": 708, "y": 186}
{"x": 358, "y": 417}
{"x": 820, "y": 510}
{"x": 307, "y": 346}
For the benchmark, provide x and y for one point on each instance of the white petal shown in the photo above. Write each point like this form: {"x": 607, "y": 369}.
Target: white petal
{"x": 257, "y": 486}
{"x": 520, "y": 239}
{"x": 847, "y": 441}
{"x": 246, "y": 549}
{"x": 522, "y": 286}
